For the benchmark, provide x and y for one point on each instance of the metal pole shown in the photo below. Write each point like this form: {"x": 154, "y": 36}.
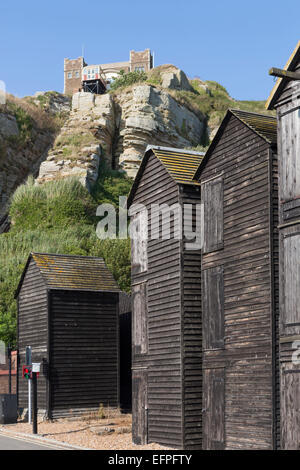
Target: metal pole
{"x": 28, "y": 361}
{"x": 34, "y": 422}
{"x": 29, "y": 400}
{"x": 9, "y": 371}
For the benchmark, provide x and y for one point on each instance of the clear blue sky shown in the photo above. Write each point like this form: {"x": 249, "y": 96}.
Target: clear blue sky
{"x": 233, "y": 42}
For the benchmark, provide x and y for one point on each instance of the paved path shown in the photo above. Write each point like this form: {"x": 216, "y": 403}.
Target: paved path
{"x": 18, "y": 443}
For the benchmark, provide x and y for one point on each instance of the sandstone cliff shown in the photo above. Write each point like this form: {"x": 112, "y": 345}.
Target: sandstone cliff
{"x": 39, "y": 135}
{"x": 118, "y": 127}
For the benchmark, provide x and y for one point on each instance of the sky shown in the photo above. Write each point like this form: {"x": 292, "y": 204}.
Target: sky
{"x": 232, "y": 42}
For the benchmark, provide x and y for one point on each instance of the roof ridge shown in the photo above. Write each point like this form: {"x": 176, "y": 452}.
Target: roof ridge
{"x": 281, "y": 81}
{"x": 173, "y": 149}
{"x": 62, "y": 254}
{"x": 234, "y": 110}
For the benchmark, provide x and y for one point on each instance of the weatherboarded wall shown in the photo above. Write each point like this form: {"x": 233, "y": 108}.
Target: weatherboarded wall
{"x": 240, "y": 300}
{"x": 287, "y": 104}
{"x": 33, "y": 331}
{"x": 166, "y": 326}
{"x": 73, "y": 333}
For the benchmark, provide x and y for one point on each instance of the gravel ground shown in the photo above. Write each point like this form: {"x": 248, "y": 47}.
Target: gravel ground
{"x": 78, "y": 431}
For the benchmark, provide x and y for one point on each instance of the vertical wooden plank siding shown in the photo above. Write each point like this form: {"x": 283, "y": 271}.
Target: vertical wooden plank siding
{"x": 212, "y": 197}
{"x": 32, "y": 331}
{"x": 140, "y": 319}
{"x": 290, "y": 148}
{"x": 213, "y": 308}
{"x": 84, "y": 351}
{"x": 140, "y": 407}
{"x": 241, "y": 157}
{"x": 291, "y": 277}
{"x": 214, "y": 405}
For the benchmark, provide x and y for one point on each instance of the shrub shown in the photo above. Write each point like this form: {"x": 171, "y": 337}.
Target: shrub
{"x": 110, "y": 185}
{"x": 127, "y": 79}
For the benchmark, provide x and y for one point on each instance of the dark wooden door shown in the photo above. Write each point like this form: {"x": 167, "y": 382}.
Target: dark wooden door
{"x": 213, "y": 409}
{"x": 139, "y": 406}
{"x": 290, "y": 407}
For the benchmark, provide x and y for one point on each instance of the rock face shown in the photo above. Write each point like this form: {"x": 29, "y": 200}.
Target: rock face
{"x": 175, "y": 79}
{"x": 121, "y": 125}
{"x": 86, "y": 136}
{"x": 148, "y": 115}
{"x": 8, "y": 126}
{"x": 17, "y": 164}
{"x": 52, "y": 101}
{"x": 25, "y": 139}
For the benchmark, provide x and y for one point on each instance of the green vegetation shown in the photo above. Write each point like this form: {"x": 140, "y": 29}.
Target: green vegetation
{"x": 110, "y": 185}
{"x": 127, "y": 79}
{"x": 58, "y": 217}
{"x": 211, "y": 100}
{"x": 71, "y": 143}
{"x": 30, "y": 118}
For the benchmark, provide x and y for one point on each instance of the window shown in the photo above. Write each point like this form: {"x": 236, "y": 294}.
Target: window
{"x": 290, "y": 148}
{"x": 139, "y": 303}
{"x": 77, "y": 74}
{"x": 213, "y": 308}
{"x": 139, "y": 227}
{"x": 140, "y": 69}
{"x": 212, "y": 198}
{"x": 69, "y": 75}
{"x": 291, "y": 278}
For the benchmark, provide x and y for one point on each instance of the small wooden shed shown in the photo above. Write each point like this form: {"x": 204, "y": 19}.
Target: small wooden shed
{"x": 166, "y": 305}
{"x": 239, "y": 270}
{"x": 68, "y": 314}
{"x": 285, "y": 98}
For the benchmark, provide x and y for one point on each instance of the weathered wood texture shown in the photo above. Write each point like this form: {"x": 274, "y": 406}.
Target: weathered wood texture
{"x": 212, "y": 198}
{"x": 84, "y": 351}
{"x": 140, "y": 406}
{"x": 172, "y": 306}
{"x": 33, "y": 331}
{"x": 214, "y": 409}
{"x": 248, "y": 357}
{"x": 288, "y": 115}
{"x": 191, "y": 333}
{"x": 75, "y": 335}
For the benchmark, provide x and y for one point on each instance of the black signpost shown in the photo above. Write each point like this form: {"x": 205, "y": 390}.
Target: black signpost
{"x": 35, "y": 372}
{"x": 9, "y": 365}
{"x": 34, "y": 402}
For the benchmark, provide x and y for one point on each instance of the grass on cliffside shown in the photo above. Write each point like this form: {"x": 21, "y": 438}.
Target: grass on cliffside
{"x": 58, "y": 217}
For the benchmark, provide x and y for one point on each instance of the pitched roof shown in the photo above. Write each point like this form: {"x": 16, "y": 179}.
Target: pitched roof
{"x": 72, "y": 272}
{"x": 280, "y": 82}
{"x": 180, "y": 164}
{"x": 263, "y": 125}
